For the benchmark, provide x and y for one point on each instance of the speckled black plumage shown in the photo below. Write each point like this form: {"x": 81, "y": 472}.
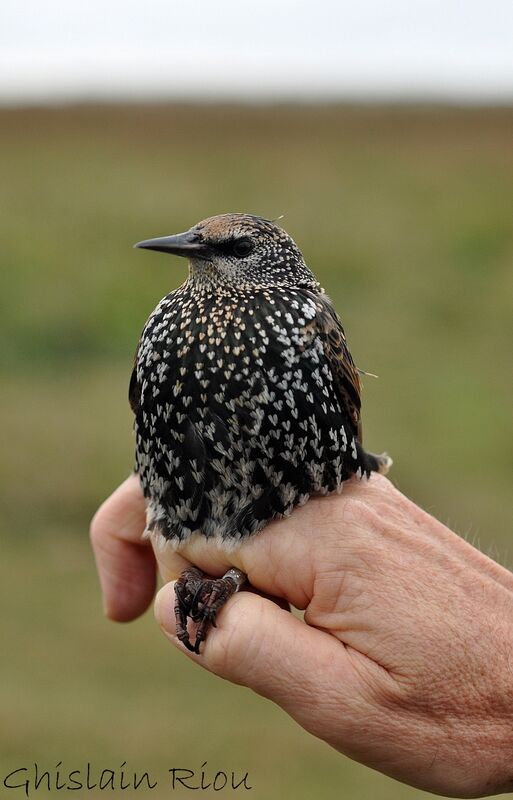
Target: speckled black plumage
{"x": 245, "y": 395}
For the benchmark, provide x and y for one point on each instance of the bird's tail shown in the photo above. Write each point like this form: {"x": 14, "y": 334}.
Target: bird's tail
{"x": 375, "y": 463}
{"x": 383, "y": 462}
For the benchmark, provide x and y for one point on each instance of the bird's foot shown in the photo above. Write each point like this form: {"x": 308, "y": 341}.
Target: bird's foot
{"x": 187, "y": 587}
{"x": 199, "y": 598}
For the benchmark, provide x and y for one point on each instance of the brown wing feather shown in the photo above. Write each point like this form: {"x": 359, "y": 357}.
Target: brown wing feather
{"x": 345, "y": 374}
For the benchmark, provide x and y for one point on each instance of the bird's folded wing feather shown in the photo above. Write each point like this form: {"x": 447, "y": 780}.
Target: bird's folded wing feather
{"x": 134, "y": 391}
{"x": 345, "y": 374}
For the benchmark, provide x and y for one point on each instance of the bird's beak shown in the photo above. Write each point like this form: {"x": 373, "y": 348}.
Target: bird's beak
{"x": 181, "y": 244}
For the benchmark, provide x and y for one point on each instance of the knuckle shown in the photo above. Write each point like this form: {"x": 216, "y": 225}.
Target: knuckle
{"x": 95, "y": 528}
{"x": 356, "y": 512}
{"x": 98, "y": 528}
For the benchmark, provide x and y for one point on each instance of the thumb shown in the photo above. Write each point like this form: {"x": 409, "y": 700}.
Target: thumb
{"x": 260, "y": 645}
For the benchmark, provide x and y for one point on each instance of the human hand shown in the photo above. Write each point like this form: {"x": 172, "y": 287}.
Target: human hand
{"x": 404, "y": 664}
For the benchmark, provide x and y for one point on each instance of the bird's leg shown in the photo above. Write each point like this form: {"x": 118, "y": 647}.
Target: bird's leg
{"x": 187, "y": 587}
{"x": 202, "y": 602}
{"x": 214, "y": 593}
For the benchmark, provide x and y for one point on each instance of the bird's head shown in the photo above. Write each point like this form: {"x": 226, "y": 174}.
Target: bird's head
{"x": 238, "y": 250}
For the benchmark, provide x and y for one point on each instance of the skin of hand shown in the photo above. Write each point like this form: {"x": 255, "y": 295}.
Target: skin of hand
{"x": 405, "y": 663}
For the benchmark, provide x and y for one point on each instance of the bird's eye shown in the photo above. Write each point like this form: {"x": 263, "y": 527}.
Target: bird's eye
{"x": 242, "y": 247}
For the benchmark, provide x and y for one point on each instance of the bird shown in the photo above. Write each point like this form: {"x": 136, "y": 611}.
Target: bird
{"x": 246, "y": 399}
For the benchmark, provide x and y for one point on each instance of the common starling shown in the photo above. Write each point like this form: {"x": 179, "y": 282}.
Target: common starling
{"x": 245, "y": 395}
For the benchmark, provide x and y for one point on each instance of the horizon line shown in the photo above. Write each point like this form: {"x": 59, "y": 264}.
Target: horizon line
{"x": 399, "y": 99}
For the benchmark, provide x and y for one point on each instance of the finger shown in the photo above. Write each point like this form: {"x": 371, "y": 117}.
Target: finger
{"x": 284, "y": 559}
{"x": 261, "y": 646}
{"x": 169, "y": 562}
{"x": 125, "y": 561}
{"x": 279, "y": 561}
{"x": 279, "y": 601}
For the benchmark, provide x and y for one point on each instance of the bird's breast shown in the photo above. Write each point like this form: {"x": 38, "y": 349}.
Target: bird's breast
{"x": 187, "y": 343}
{"x": 238, "y": 416}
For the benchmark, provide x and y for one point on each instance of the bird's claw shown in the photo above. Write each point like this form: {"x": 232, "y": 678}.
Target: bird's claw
{"x": 199, "y": 598}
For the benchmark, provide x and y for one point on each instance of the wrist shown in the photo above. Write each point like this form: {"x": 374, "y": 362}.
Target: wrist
{"x": 497, "y": 752}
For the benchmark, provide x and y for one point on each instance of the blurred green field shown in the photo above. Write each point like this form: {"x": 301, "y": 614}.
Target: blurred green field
{"x": 404, "y": 214}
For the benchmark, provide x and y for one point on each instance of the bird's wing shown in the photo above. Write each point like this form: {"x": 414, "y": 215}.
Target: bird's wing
{"x": 329, "y": 328}
{"x": 134, "y": 391}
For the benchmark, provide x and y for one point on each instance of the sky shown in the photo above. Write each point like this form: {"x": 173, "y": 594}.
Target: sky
{"x": 58, "y": 50}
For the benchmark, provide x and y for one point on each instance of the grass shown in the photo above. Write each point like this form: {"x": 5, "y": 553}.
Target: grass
{"x": 404, "y": 214}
